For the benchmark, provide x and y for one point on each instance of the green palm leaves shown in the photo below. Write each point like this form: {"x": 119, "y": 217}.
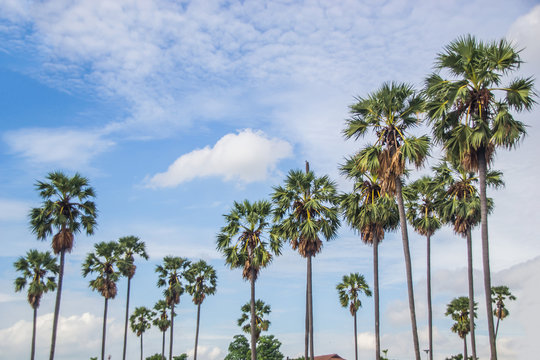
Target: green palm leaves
{"x": 349, "y": 290}
{"x": 500, "y": 294}
{"x": 103, "y": 262}
{"x": 261, "y": 324}
{"x": 458, "y": 310}
{"x": 140, "y": 321}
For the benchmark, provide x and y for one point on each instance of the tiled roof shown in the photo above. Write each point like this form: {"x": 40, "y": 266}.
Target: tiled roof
{"x": 329, "y": 357}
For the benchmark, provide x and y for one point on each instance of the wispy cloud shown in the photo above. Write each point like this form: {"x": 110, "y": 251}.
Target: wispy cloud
{"x": 247, "y": 156}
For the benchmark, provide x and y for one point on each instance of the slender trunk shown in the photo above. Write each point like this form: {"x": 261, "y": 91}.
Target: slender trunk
{"x": 33, "y": 351}
{"x": 127, "y": 315}
{"x": 104, "y": 328}
{"x": 408, "y": 266}
{"x": 430, "y": 312}
{"x": 471, "y": 292}
{"x": 482, "y": 171}
{"x": 465, "y": 354}
{"x": 376, "y": 296}
{"x": 197, "y": 331}
{"x": 310, "y": 307}
{"x": 253, "y": 330}
{"x": 141, "y": 346}
{"x": 163, "y": 346}
{"x": 355, "y": 339}
{"x": 57, "y": 303}
{"x": 172, "y": 328}
{"x": 497, "y": 327}
{"x": 306, "y": 351}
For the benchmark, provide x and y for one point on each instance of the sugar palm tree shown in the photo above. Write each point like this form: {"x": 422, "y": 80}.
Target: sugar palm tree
{"x": 162, "y": 322}
{"x": 390, "y": 112}
{"x": 129, "y": 246}
{"x": 500, "y": 294}
{"x": 349, "y": 289}
{"x": 306, "y": 210}
{"x": 202, "y": 280}
{"x": 261, "y": 324}
{"x": 471, "y": 120}
{"x": 34, "y": 269}
{"x": 421, "y": 207}
{"x": 103, "y": 263}
{"x": 67, "y": 208}
{"x": 370, "y": 213}
{"x": 459, "y": 206}
{"x": 242, "y": 243}
{"x": 140, "y": 321}
{"x": 171, "y": 274}
{"x": 458, "y": 310}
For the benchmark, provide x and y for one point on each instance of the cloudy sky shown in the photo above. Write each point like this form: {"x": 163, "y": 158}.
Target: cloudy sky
{"x": 175, "y": 109}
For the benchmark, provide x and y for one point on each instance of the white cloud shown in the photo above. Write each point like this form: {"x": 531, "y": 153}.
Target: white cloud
{"x": 524, "y": 33}
{"x": 13, "y": 210}
{"x": 246, "y": 157}
{"x": 72, "y": 149}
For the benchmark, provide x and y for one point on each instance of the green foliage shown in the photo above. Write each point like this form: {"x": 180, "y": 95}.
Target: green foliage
{"x": 161, "y": 319}
{"x": 268, "y": 348}
{"x": 350, "y": 288}
{"x": 103, "y": 261}
{"x": 261, "y": 324}
{"x": 202, "y": 280}
{"x": 154, "y": 357}
{"x": 458, "y": 357}
{"x": 171, "y": 274}
{"x": 128, "y": 246}
{"x": 34, "y": 268}
{"x": 421, "y": 202}
{"x": 182, "y": 356}
{"x": 500, "y": 294}
{"x": 458, "y": 310}
{"x": 141, "y": 320}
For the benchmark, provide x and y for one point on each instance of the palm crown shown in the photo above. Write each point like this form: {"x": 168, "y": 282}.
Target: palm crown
{"x": 171, "y": 274}
{"x": 141, "y": 320}
{"x": 202, "y": 281}
{"x": 261, "y": 324}
{"x": 161, "y": 320}
{"x": 128, "y": 247}
{"x": 421, "y": 201}
{"x": 103, "y": 262}
{"x": 350, "y": 288}
{"x": 458, "y": 310}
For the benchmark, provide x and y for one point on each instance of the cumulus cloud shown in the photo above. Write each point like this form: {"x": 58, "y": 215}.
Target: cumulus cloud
{"x": 247, "y": 156}
{"x": 524, "y": 33}
{"x": 68, "y": 148}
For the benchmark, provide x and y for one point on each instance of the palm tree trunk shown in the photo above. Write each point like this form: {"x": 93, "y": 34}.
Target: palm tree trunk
{"x": 172, "y": 328}
{"x": 471, "y": 292}
{"x": 306, "y": 352}
{"x": 57, "y": 303}
{"x": 482, "y": 171}
{"x": 253, "y": 330}
{"x": 497, "y": 327}
{"x": 430, "y": 312}
{"x": 141, "y": 346}
{"x": 126, "y": 322}
{"x": 355, "y": 339}
{"x": 33, "y": 351}
{"x": 465, "y": 354}
{"x": 408, "y": 266}
{"x": 197, "y": 331}
{"x": 104, "y": 328}
{"x": 310, "y": 307}
{"x": 163, "y": 346}
{"x": 376, "y": 296}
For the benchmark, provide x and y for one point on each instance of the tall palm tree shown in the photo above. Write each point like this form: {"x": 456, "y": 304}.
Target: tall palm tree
{"x": 459, "y": 205}
{"x": 162, "y": 322}
{"x": 103, "y": 262}
{"x": 499, "y": 294}
{"x": 458, "y": 310}
{"x": 140, "y": 321}
{"x": 261, "y": 324}
{"x": 306, "y": 210}
{"x": 34, "y": 269}
{"x": 370, "y": 213}
{"x": 421, "y": 212}
{"x": 171, "y": 274}
{"x": 129, "y": 246}
{"x": 349, "y": 289}
{"x": 390, "y": 112}
{"x": 66, "y": 210}
{"x": 202, "y": 281}
{"x": 242, "y": 243}
{"x": 471, "y": 121}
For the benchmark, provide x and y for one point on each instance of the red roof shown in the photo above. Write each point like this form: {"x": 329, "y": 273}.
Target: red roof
{"x": 329, "y": 357}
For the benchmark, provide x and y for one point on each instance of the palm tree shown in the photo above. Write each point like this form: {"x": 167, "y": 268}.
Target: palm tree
{"x": 459, "y": 205}
{"x": 370, "y": 213}
{"x": 162, "y": 322}
{"x": 202, "y": 281}
{"x": 349, "y": 289}
{"x": 66, "y": 210}
{"x": 306, "y": 210}
{"x": 458, "y": 310}
{"x": 140, "y": 321}
{"x": 391, "y": 111}
{"x": 34, "y": 268}
{"x": 103, "y": 262}
{"x": 471, "y": 121}
{"x": 171, "y": 274}
{"x": 499, "y": 294}
{"x": 128, "y": 247}
{"x": 261, "y": 324}
{"x": 421, "y": 212}
{"x": 241, "y": 241}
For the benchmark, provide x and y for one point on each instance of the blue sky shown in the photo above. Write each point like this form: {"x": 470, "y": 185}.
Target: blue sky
{"x": 175, "y": 109}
